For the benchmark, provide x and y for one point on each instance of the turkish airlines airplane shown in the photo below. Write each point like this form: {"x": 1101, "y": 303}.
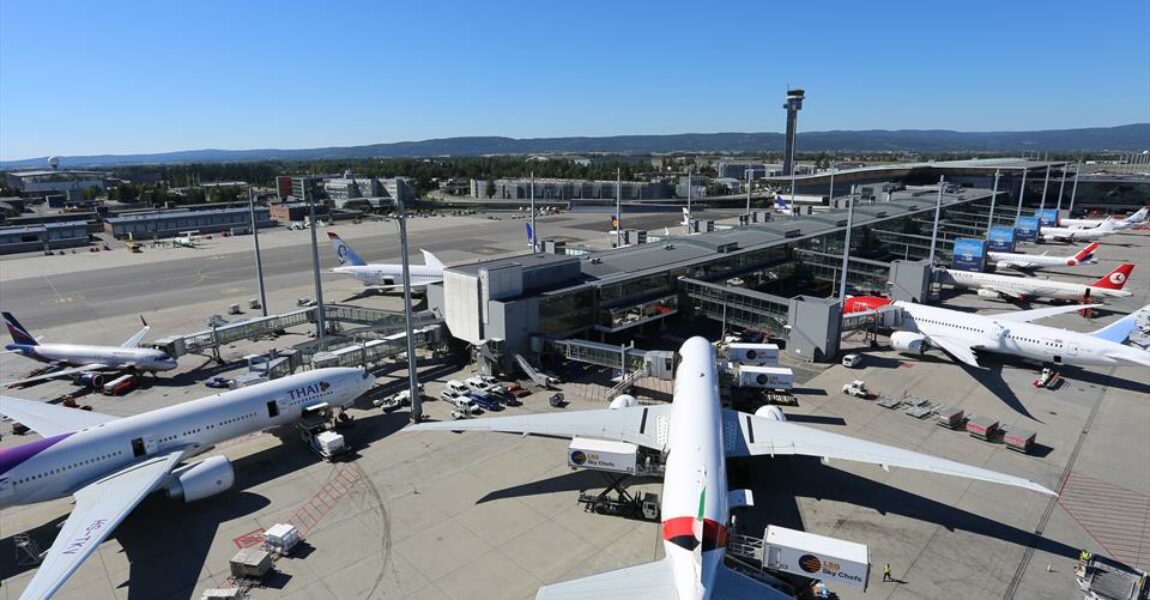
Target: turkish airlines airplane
{"x": 85, "y": 360}
{"x": 1136, "y": 218}
{"x": 383, "y": 276}
{"x": 697, "y": 435}
{"x": 989, "y": 285}
{"x": 1068, "y": 234}
{"x": 110, "y": 464}
{"x": 1027, "y": 262}
{"x": 961, "y": 334}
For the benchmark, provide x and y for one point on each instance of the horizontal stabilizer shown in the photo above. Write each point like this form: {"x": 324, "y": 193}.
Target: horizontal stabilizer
{"x": 49, "y": 419}
{"x": 650, "y": 581}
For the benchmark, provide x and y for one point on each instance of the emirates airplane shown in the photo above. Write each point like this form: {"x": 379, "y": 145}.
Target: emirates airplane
{"x": 110, "y": 464}
{"x": 697, "y": 435}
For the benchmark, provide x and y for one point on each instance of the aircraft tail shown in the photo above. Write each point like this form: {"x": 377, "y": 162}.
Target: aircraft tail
{"x": 780, "y": 202}
{"x": 530, "y": 236}
{"x": 1138, "y": 217}
{"x": 343, "y": 253}
{"x": 430, "y": 260}
{"x": 20, "y": 335}
{"x": 1085, "y": 254}
{"x": 1116, "y": 279}
{"x": 1121, "y": 329}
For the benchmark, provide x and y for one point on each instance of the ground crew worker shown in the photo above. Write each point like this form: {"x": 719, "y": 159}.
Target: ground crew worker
{"x": 1084, "y": 556}
{"x": 886, "y": 573}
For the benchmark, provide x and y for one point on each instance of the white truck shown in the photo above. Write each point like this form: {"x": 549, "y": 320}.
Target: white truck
{"x": 833, "y": 560}
{"x": 602, "y": 455}
{"x": 315, "y": 432}
{"x": 768, "y": 378}
{"x": 752, "y": 354}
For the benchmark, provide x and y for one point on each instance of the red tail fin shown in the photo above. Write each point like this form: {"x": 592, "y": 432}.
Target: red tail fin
{"x": 1116, "y": 279}
{"x": 1085, "y": 253}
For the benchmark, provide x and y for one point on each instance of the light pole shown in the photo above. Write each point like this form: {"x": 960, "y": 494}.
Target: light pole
{"x": 1021, "y": 195}
{"x": 1074, "y": 189}
{"x": 412, "y": 367}
{"x": 618, "y": 208}
{"x": 534, "y": 235}
{"x": 847, "y": 250}
{"x": 993, "y": 197}
{"x": 320, "y": 320}
{"x": 1045, "y": 184}
{"x": 937, "y": 215}
{"x": 259, "y": 260}
{"x": 1061, "y": 186}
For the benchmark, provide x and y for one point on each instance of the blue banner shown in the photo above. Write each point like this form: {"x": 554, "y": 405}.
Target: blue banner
{"x": 1026, "y": 229}
{"x": 1048, "y": 217}
{"x": 1000, "y": 238}
{"x": 969, "y": 254}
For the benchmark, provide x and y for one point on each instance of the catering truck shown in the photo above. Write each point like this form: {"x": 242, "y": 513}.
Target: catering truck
{"x": 768, "y": 378}
{"x": 752, "y": 354}
{"x": 834, "y": 561}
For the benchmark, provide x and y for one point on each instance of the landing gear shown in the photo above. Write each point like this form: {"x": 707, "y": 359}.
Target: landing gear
{"x": 1049, "y": 378}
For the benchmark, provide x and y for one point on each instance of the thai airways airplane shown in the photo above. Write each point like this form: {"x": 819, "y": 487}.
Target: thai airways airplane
{"x": 961, "y": 334}
{"x": 1136, "y": 218}
{"x": 697, "y": 435}
{"x": 989, "y": 285}
{"x": 85, "y": 360}
{"x": 110, "y": 464}
{"x": 1068, "y": 234}
{"x": 381, "y": 275}
{"x": 1027, "y": 262}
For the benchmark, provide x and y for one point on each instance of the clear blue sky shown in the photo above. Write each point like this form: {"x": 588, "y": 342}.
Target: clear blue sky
{"x": 146, "y": 76}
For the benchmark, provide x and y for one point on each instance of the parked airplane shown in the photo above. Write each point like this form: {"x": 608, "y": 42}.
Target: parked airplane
{"x": 187, "y": 239}
{"x": 696, "y": 435}
{"x": 1127, "y": 222}
{"x": 83, "y": 359}
{"x": 1011, "y": 287}
{"x": 1027, "y": 262}
{"x": 110, "y": 464}
{"x": 383, "y": 276}
{"x": 1067, "y": 234}
{"x": 961, "y": 334}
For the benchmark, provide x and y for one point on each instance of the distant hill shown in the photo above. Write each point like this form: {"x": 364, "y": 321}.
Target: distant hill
{"x": 1125, "y": 138}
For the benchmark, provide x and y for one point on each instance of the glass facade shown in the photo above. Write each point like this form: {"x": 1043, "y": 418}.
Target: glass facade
{"x": 566, "y": 313}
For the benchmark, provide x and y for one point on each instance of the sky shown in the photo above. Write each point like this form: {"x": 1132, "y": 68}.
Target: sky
{"x": 125, "y": 77}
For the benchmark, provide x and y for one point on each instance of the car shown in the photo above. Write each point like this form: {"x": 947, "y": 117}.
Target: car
{"x": 484, "y": 401}
{"x": 456, "y": 398}
{"x": 218, "y": 382}
{"x": 517, "y": 390}
{"x": 457, "y": 386}
{"x": 477, "y": 384}
{"x": 505, "y": 397}
{"x": 852, "y": 360}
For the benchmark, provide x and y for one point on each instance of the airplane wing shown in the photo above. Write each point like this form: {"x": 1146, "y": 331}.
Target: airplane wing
{"x": 100, "y": 507}
{"x": 733, "y": 585}
{"x": 135, "y": 340}
{"x": 1026, "y": 316}
{"x": 50, "y": 419}
{"x": 56, "y": 374}
{"x": 642, "y": 425}
{"x": 759, "y": 436}
{"x": 650, "y": 581}
{"x": 960, "y": 350}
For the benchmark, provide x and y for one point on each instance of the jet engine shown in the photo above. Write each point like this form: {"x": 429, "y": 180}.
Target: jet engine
{"x": 989, "y": 294}
{"x": 200, "y": 480}
{"x": 771, "y": 412}
{"x": 905, "y": 341}
{"x": 624, "y": 401}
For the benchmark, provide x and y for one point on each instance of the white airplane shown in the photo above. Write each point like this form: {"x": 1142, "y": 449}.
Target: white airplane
{"x": 187, "y": 239}
{"x": 1067, "y": 234}
{"x": 1027, "y": 262}
{"x": 1011, "y": 287}
{"x": 85, "y": 360}
{"x": 1136, "y": 218}
{"x": 110, "y": 464}
{"x": 696, "y": 435}
{"x": 961, "y": 334}
{"x": 381, "y": 275}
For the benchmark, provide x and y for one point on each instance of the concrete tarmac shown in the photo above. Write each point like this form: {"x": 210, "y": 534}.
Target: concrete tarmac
{"x": 460, "y": 516}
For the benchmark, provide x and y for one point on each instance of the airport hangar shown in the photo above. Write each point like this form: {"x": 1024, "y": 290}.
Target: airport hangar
{"x": 527, "y": 305}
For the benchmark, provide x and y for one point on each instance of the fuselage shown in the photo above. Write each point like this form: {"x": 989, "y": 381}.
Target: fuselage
{"x": 694, "y": 504}
{"x": 391, "y": 275}
{"x": 57, "y": 466}
{"x": 1034, "y": 260}
{"x": 1028, "y": 340}
{"x": 1028, "y": 286}
{"x": 1069, "y": 234}
{"x": 115, "y": 357}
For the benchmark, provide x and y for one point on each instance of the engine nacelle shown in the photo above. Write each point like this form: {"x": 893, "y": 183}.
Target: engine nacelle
{"x": 200, "y": 480}
{"x": 771, "y": 412}
{"x": 988, "y": 294}
{"x": 906, "y": 341}
{"x": 624, "y": 401}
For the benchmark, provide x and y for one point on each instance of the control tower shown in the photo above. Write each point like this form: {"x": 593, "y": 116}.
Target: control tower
{"x": 794, "y": 105}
